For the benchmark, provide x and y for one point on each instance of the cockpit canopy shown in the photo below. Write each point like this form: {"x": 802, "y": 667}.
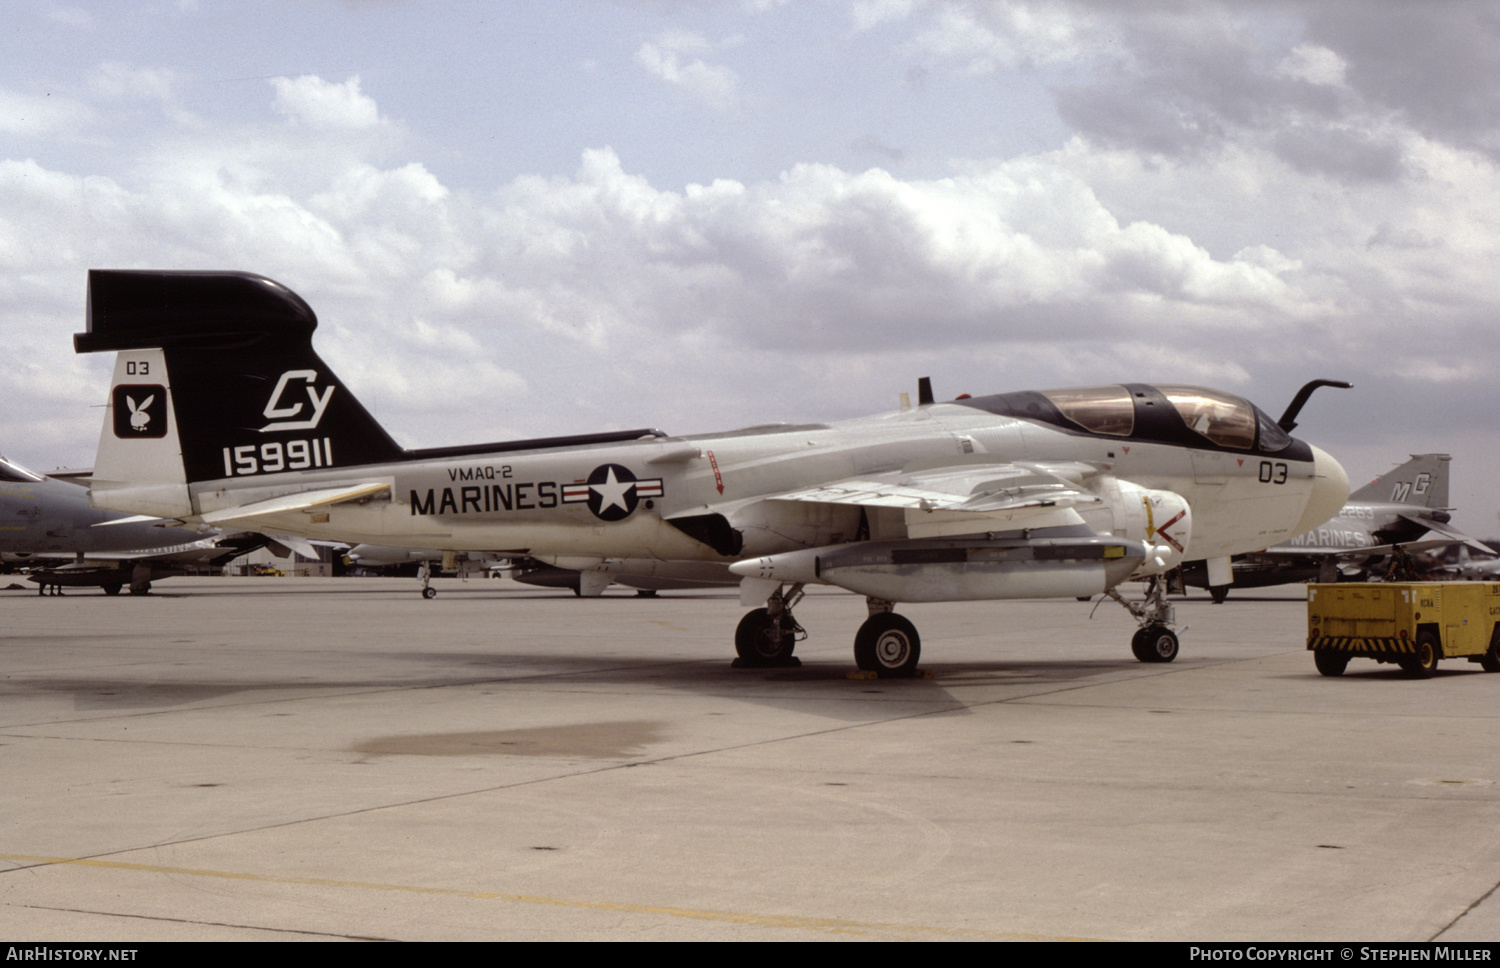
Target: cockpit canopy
{"x": 1161, "y": 412}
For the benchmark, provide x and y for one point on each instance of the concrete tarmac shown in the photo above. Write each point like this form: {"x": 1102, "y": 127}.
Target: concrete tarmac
{"x": 270, "y": 758}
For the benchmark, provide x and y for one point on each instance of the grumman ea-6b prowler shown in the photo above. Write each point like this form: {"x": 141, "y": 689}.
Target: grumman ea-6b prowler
{"x": 220, "y": 413}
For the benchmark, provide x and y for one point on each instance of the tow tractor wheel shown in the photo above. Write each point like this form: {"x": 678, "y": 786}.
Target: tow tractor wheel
{"x": 1154, "y": 643}
{"x": 1425, "y": 662}
{"x": 112, "y": 587}
{"x": 887, "y": 645}
{"x": 1490, "y": 661}
{"x": 1218, "y": 593}
{"x": 755, "y": 640}
{"x": 1329, "y": 662}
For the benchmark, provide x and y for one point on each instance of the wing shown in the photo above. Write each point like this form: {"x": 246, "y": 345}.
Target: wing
{"x": 300, "y": 501}
{"x": 972, "y": 488}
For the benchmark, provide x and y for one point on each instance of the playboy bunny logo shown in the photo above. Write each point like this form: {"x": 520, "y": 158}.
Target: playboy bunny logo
{"x": 140, "y": 416}
{"x": 140, "y": 410}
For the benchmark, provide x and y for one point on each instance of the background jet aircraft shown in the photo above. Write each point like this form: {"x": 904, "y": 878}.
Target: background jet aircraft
{"x": 220, "y": 412}
{"x": 1464, "y": 565}
{"x": 48, "y": 525}
{"x": 1406, "y": 506}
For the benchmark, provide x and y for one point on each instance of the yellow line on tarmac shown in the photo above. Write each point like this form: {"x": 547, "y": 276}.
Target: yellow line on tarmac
{"x": 830, "y": 925}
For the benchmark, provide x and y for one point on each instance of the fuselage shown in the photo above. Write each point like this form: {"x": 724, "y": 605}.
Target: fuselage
{"x": 1357, "y": 525}
{"x": 615, "y": 500}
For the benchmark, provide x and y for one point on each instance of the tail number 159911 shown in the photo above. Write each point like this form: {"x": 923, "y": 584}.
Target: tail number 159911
{"x": 276, "y": 455}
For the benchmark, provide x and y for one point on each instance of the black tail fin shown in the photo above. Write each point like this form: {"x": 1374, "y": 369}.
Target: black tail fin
{"x": 230, "y": 354}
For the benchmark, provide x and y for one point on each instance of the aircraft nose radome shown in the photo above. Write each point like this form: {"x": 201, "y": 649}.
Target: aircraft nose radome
{"x": 1330, "y": 491}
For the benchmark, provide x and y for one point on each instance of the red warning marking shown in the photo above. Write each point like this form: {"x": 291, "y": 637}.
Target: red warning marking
{"x": 1126, "y": 449}
{"x": 1161, "y": 532}
{"x": 1240, "y": 461}
{"x": 719, "y": 481}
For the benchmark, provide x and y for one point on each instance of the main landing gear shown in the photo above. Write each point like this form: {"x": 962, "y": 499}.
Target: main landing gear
{"x": 1154, "y": 641}
{"x": 767, "y": 636}
{"x": 887, "y": 644}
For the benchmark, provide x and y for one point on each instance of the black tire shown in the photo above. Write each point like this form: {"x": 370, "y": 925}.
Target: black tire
{"x": 887, "y": 645}
{"x": 1154, "y": 643}
{"x": 1425, "y": 662}
{"x": 755, "y": 642}
{"x": 1218, "y": 593}
{"x": 112, "y": 588}
{"x": 429, "y": 592}
{"x": 1490, "y": 661}
{"x": 1329, "y": 662}
{"x": 144, "y": 588}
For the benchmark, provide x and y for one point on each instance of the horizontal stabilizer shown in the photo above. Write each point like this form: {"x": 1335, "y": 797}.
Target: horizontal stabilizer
{"x": 300, "y": 501}
{"x": 284, "y": 545}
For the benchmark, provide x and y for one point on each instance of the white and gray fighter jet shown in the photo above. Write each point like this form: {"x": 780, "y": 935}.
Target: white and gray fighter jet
{"x": 221, "y": 413}
{"x": 48, "y": 526}
{"x": 1464, "y": 565}
{"x": 1407, "y": 506}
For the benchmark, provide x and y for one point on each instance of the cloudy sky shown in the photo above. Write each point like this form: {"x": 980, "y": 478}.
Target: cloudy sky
{"x": 561, "y": 217}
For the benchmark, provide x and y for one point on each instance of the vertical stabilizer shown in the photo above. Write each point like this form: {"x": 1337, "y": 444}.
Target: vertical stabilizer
{"x": 1420, "y": 482}
{"x": 215, "y": 378}
{"x": 139, "y": 448}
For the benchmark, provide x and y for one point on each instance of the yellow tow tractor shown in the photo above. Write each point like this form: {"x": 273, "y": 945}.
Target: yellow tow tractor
{"x": 1414, "y": 624}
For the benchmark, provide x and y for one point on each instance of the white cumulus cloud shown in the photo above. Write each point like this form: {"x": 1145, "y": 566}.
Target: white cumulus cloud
{"x": 667, "y": 57}
{"x": 323, "y": 105}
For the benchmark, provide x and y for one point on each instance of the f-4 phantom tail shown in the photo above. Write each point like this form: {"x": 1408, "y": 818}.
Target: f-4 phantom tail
{"x": 221, "y": 412}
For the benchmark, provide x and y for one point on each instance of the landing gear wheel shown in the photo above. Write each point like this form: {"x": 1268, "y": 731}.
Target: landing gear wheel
{"x": 1330, "y": 663}
{"x": 887, "y": 645}
{"x": 1425, "y": 662}
{"x": 756, "y": 642}
{"x": 144, "y": 588}
{"x": 1490, "y": 661}
{"x": 1218, "y": 593}
{"x": 1154, "y": 643}
{"x": 429, "y": 592}
{"x": 112, "y": 588}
